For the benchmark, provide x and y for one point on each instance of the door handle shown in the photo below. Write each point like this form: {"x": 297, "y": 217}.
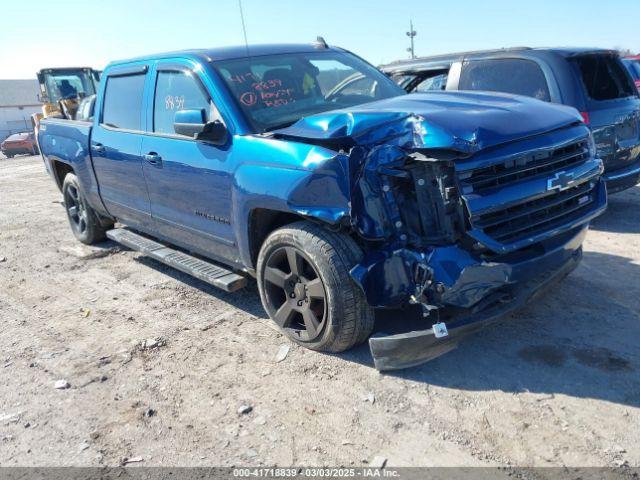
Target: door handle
{"x": 153, "y": 158}
{"x": 98, "y": 148}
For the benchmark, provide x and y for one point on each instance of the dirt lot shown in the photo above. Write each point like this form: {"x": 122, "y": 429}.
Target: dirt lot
{"x": 555, "y": 384}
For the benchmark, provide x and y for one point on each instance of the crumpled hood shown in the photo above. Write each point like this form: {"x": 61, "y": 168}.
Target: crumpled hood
{"x": 462, "y": 121}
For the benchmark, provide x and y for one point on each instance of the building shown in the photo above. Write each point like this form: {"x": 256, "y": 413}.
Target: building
{"x": 18, "y": 100}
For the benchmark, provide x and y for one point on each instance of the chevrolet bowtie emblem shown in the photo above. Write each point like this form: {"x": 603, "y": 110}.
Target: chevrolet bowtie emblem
{"x": 560, "y": 181}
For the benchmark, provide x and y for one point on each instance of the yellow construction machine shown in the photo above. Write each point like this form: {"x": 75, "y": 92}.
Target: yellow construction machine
{"x": 62, "y": 90}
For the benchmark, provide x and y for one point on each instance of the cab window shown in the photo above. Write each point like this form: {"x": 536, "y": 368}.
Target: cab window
{"x": 433, "y": 81}
{"x": 509, "y": 75}
{"x": 179, "y": 90}
{"x": 123, "y": 102}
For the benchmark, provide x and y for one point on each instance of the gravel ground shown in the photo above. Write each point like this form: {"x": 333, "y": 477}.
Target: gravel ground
{"x": 160, "y": 366}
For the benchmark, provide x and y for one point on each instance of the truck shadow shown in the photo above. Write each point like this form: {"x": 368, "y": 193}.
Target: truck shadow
{"x": 577, "y": 340}
{"x": 622, "y": 215}
{"x": 247, "y": 299}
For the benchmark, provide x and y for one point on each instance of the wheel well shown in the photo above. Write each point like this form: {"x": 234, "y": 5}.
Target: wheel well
{"x": 262, "y": 222}
{"x": 60, "y": 170}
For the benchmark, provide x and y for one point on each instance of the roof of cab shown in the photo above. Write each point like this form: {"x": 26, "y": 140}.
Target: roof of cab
{"x": 232, "y": 52}
{"x": 421, "y": 62}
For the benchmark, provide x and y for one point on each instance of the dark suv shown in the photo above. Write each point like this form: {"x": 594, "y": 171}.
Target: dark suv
{"x": 593, "y": 81}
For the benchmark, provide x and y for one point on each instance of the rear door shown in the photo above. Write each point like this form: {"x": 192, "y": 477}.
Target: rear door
{"x": 612, "y": 106}
{"x": 116, "y": 143}
{"x": 189, "y": 181}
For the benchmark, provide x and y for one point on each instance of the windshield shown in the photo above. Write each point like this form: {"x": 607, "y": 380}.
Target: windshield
{"x": 275, "y": 91}
{"x": 63, "y": 85}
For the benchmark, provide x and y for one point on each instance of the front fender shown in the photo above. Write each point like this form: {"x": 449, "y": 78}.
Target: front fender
{"x": 320, "y": 192}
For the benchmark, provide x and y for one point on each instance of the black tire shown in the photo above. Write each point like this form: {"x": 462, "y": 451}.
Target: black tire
{"x": 83, "y": 220}
{"x": 321, "y": 285}
{"x": 9, "y": 155}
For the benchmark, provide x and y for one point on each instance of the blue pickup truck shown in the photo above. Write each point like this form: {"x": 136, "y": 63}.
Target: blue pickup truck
{"x": 339, "y": 197}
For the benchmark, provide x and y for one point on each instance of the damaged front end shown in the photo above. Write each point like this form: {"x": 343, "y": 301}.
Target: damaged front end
{"x": 466, "y": 223}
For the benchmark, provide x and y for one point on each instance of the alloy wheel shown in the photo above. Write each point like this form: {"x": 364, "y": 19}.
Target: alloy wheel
{"x": 76, "y": 209}
{"x": 295, "y": 295}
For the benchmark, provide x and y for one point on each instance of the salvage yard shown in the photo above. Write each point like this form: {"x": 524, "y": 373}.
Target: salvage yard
{"x": 110, "y": 358}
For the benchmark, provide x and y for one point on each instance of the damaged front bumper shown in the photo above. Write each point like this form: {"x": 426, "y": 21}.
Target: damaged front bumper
{"x": 466, "y": 215}
{"x": 518, "y": 283}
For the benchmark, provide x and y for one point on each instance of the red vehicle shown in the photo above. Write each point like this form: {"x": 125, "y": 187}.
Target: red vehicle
{"x": 19, "y": 143}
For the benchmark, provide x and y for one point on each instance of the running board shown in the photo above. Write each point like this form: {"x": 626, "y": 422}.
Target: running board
{"x": 208, "y": 272}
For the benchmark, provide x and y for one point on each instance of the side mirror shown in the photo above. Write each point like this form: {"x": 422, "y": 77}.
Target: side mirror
{"x": 189, "y": 122}
{"x": 214, "y": 132}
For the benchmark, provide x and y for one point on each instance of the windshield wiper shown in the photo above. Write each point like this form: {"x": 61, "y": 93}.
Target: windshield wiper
{"x": 280, "y": 125}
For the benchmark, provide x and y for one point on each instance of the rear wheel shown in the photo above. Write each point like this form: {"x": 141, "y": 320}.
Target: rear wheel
{"x": 305, "y": 287}
{"x": 83, "y": 220}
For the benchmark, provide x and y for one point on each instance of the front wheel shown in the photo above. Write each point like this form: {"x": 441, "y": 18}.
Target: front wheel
{"x": 305, "y": 287}
{"x": 83, "y": 220}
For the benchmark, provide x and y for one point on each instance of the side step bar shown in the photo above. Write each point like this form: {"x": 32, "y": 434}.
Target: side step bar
{"x": 208, "y": 272}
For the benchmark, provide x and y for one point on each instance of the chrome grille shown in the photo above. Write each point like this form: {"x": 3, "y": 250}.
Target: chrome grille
{"x": 522, "y": 167}
{"x": 532, "y": 217}
{"x": 524, "y": 192}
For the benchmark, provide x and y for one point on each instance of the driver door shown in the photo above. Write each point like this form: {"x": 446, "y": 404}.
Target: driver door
{"x": 189, "y": 181}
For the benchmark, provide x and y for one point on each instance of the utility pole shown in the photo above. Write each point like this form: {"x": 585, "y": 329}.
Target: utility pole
{"x": 411, "y": 33}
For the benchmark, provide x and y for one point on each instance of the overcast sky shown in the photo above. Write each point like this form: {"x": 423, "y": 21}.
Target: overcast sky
{"x": 49, "y": 33}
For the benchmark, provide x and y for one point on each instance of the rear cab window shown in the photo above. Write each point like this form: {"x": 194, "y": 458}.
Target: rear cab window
{"x": 507, "y": 75}
{"x": 122, "y": 105}
{"x": 603, "y": 77}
